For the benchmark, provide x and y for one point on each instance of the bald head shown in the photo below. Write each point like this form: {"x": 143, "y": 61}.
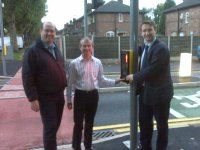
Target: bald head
{"x": 48, "y": 32}
{"x": 47, "y": 23}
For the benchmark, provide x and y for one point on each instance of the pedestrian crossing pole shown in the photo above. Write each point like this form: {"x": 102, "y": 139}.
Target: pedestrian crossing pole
{"x": 85, "y": 18}
{"x": 133, "y": 99}
{"x": 2, "y": 40}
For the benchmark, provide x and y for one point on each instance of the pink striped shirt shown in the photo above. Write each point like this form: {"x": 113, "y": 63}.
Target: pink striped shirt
{"x": 86, "y": 75}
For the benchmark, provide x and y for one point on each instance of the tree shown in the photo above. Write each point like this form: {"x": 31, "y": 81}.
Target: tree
{"x": 23, "y": 17}
{"x": 159, "y": 16}
{"x": 147, "y": 13}
{"x": 29, "y": 15}
{"x": 9, "y": 11}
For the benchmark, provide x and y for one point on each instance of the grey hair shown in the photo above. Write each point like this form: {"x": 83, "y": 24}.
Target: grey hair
{"x": 86, "y": 40}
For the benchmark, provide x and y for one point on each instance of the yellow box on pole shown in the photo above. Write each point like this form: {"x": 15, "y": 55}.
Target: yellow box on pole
{"x": 5, "y": 50}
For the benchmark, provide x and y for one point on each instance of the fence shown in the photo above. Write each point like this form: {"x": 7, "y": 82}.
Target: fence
{"x": 109, "y": 47}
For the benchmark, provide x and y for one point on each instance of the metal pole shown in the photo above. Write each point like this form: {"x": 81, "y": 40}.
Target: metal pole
{"x": 64, "y": 48}
{"x": 119, "y": 48}
{"x": 133, "y": 99}
{"x": 2, "y": 40}
{"x": 191, "y": 48}
{"x": 178, "y": 25}
{"x": 85, "y": 19}
{"x": 93, "y": 41}
{"x": 169, "y": 42}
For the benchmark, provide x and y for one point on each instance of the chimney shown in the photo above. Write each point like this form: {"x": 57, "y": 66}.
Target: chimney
{"x": 89, "y": 7}
{"x": 120, "y": 1}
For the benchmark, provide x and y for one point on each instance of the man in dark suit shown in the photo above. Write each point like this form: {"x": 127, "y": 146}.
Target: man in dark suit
{"x": 155, "y": 88}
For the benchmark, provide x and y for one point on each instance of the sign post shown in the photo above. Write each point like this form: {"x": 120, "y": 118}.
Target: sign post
{"x": 85, "y": 18}
{"x": 2, "y": 40}
{"x": 133, "y": 99}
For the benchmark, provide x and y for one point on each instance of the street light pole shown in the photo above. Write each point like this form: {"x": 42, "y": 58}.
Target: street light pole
{"x": 178, "y": 20}
{"x": 133, "y": 99}
{"x": 85, "y": 19}
{"x": 2, "y": 40}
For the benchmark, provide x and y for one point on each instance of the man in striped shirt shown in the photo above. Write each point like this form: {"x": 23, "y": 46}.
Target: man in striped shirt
{"x": 85, "y": 75}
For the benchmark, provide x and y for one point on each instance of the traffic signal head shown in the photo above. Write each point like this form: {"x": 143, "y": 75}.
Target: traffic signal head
{"x": 97, "y": 3}
{"x": 126, "y": 57}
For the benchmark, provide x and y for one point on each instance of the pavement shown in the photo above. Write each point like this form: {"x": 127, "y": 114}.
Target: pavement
{"x": 21, "y": 128}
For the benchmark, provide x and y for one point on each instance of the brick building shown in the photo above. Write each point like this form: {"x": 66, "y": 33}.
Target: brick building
{"x": 109, "y": 20}
{"x": 183, "y": 19}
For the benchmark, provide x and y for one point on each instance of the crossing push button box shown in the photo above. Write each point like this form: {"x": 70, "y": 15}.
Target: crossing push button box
{"x": 126, "y": 57}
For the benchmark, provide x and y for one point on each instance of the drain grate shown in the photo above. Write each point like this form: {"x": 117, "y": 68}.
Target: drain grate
{"x": 102, "y": 134}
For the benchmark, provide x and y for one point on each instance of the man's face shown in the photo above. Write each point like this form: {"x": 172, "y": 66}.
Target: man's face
{"x": 86, "y": 48}
{"x": 48, "y": 33}
{"x": 148, "y": 32}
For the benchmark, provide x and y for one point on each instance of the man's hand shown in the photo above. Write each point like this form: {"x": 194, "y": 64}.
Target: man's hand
{"x": 69, "y": 105}
{"x": 118, "y": 81}
{"x": 129, "y": 77}
{"x": 35, "y": 106}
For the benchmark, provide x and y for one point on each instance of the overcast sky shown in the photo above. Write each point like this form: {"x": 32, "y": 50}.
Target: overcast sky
{"x": 62, "y": 11}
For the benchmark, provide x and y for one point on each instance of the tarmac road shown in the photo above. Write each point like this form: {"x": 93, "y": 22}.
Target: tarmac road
{"x": 186, "y": 138}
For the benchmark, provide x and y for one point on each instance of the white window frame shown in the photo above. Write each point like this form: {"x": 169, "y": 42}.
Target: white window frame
{"x": 110, "y": 34}
{"x": 174, "y": 33}
{"x": 120, "y": 17}
{"x": 187, "y": 14}
{"x": 181, "y": 34}
{"x": 93, "y": 20}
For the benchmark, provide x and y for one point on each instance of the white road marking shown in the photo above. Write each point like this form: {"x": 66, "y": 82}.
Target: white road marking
{"x": 176, "y": 114}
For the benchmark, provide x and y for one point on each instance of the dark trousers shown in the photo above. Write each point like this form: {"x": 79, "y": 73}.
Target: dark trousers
{"x": 161, "y": 114}
{"x": 85, "y": 107}
{"x": 51, "y": 110}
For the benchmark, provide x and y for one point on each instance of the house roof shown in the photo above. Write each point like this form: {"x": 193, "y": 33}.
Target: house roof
{"x": 184, "y": 5}
{"x": 113, "y": 6}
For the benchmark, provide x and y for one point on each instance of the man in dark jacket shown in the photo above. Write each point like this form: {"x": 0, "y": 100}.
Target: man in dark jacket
{"x": 44, "y": 81}
{"x": 155, "y": 88}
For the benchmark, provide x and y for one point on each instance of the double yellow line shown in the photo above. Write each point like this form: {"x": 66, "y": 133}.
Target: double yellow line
{"x": 173, "y": 123}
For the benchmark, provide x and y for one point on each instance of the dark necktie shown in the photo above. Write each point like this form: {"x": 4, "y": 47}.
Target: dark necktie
{"x": 144, "y": 60}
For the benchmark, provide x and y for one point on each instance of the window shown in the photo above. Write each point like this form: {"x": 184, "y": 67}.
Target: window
{"x": 120, "y": 17}
{"x": 174, "y": 34}
{"x": 181, "y": 34}
{"x": 181, "y": 16}
{"x": 186, "y": 17}
{"x": 92, "y": 19}
{"x": 89, "y": 20}
{"x": 110, "y": 34}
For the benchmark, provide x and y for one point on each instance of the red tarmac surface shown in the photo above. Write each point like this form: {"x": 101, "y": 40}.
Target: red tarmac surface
{"x": 20, "y": 127}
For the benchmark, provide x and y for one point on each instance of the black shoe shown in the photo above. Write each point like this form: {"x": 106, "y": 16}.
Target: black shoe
{"x": 140, "y": 148}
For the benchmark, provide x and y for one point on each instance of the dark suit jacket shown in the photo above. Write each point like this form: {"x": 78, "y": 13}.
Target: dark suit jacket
{"x": 154, "y": 80}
